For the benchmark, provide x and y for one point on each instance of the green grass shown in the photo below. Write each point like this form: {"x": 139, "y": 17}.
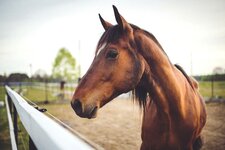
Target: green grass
{"x": 4, "y": 130}
{"x": 205, "y": 89}
{"x": 2, "y": 93}
{"x": 23, "y": 137}
{"x": 4, "y": 126}
{"x": 37, "y": 95}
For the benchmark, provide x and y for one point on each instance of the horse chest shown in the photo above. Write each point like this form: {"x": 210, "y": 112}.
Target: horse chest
{"x": 159, "y": 133}
{"x": 153, "y": 128}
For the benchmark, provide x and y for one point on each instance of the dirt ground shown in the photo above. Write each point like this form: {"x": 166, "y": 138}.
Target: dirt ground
{"x": 118, "y": 125}
{"x": 214, "y": 131}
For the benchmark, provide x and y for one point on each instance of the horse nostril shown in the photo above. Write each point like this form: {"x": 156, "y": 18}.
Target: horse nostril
{"x": 77, "y": 106}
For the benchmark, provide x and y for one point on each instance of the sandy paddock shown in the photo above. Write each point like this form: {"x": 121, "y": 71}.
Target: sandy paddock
{"x": 118, "y": 125}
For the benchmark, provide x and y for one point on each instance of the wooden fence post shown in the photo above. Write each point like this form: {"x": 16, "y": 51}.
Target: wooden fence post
{"x": 15, "y": 124}
{"x": 10, "y": 102}
{"x": 46, "y": 91}
{"x": 31, "y": 144}
{"x": 212, "y": 87}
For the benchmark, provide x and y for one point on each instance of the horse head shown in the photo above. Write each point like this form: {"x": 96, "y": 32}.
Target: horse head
{"x": 117, "y": 68}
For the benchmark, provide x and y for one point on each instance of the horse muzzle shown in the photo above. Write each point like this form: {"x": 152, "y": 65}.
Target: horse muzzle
{"x": 84, "y": 111}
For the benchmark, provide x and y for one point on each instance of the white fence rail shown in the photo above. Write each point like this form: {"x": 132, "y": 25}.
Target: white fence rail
{"x": 11, "y": 128}
{"x": 45, "y": 133}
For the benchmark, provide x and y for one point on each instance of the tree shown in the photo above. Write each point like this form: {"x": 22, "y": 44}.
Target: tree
{"x": 3, "y": 78}
{"x": 64, "y": 66}
{"x": 40, "y": 75}
{"x": 17, "y": 77}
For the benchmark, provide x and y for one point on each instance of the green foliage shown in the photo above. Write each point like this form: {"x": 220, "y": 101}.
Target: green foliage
{"x": 17, "y": 77}
{"x": 64, "y": 66}
{"x": 2, "y": 78}
{"x": 215, "y": 77}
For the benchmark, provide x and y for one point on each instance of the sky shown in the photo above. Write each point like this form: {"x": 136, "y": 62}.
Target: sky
{"x": 31, "y": 32}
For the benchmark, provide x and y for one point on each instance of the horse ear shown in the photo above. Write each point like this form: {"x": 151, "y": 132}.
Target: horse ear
{"x": 106, "y": 25}
{"x": 120, "y": 20}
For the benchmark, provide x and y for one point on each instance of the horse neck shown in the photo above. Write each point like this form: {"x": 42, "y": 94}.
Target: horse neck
{"x": 161, "y": 75}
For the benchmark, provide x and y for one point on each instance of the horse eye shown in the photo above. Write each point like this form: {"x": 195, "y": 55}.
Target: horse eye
{"x": 112, "y": 54}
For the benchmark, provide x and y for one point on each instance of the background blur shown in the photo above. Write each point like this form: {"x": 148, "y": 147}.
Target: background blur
{"x": 31, "y": 32}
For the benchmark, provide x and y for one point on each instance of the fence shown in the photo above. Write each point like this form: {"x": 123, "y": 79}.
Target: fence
{"x": 11, "y": 128}
{"x": 44, "y": 133}
{"x": 50, "y": 91}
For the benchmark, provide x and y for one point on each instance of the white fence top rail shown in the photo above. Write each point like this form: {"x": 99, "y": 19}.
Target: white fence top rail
{"x": 45, "y": 133}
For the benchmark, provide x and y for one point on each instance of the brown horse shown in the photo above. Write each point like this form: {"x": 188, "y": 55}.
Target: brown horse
{"x": 131, "y": 59}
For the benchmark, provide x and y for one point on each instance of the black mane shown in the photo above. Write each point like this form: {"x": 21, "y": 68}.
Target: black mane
{"x": 185, "y": 74}
{"x": 139, "y": 93}
{"x": 111, "y": 35}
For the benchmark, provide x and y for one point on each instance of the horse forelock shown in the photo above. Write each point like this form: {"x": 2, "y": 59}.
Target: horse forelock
{"x": 114, "y": 33}
{"x": 111, "y": 35}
